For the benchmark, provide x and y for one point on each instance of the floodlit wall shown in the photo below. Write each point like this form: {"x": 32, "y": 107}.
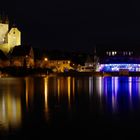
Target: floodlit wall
{"x": 9, "y": 39}
{"x": 14, "y": 38}
{"x": 3, "y": 33}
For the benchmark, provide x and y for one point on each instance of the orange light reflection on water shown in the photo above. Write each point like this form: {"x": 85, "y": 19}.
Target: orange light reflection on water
{"x": 46, "y": 93}
{"x": 69, "y": 86}
{"x": 29, "y": 91}
{"x": 10, "y": 106}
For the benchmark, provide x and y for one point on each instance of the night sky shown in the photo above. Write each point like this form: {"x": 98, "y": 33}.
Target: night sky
{"x": 75, "y": 25}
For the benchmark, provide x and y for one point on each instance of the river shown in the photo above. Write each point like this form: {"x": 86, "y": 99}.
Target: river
{"x": 69, "y": 107}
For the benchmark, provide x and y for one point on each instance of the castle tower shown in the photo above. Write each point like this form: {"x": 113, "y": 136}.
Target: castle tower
{"x": 14, "y": 38}
{"x": 8, "y": 39}
{"x": 4, "y": 27}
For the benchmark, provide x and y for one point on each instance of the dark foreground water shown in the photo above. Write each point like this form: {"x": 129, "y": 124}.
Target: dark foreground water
{"x": 70, "y": 107}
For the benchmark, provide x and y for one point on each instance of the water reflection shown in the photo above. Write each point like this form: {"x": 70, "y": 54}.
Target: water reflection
{"x": 46, "y": 97}
{"x": 39, "y": 98}
{"x": 120, "y": 92}
{"x": 29, "y": 92}
{"x": 10, "y": 103}
{"x": 130, "y": 91}
{"x": 112, "y": 93}
{"x": 69, "y": 91}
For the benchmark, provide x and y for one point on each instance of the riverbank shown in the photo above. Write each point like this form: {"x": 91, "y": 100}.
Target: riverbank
{"x": 98, "y": 74}
{"x": 22, "y": 72}
{"x": 41, "y": 72}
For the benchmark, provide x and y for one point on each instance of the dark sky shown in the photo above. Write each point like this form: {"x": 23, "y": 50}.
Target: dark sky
{"x": 75, "y": 25}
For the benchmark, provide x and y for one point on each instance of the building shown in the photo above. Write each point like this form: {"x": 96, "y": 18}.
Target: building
{"x": 55, "y": 65}
{"x": 90, "y": 63}
{"x": 9, "y": 37}
{"x": 125, "y": 59}
{"x": 60, "y": 65}
{"x": 88, "y": 67}
{"x": 22, "y": 56}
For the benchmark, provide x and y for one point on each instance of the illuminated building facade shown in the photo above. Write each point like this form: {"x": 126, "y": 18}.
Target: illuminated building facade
{"x": 90, "y": 63}
{"x": 117, "y": 60}
{"x": 118, "y": 67}
{"x": 8, "y": 38}
{"x": 59, "y": 65}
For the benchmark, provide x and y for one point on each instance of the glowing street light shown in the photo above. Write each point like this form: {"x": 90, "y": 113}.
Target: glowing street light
{"x": 45, "y": 59}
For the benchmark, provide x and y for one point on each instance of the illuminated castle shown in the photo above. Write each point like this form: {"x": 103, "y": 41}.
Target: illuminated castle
{"x": 8, "y": 38}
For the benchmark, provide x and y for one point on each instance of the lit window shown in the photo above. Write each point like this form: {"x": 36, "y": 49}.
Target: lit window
{"x": 113, "y": 53}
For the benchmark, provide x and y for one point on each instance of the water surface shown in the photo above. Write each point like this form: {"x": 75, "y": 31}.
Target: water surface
{"x": 69, "y": 107}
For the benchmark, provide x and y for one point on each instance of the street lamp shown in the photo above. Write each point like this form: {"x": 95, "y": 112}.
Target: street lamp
{"x": 45, "y": 59}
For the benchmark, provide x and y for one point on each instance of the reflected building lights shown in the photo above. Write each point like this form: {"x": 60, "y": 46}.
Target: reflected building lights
{"x": 115, "y": 88}
{"x": 46, "y": 93}
{"x": 73, "y": 86}
{"x": 10, "y": 103}
{"x": 113, "y": 103}
{"x": 116, "y": 85}
{"x": 106, "y": 88}
{"x": 29, "y": 83}
{"x": 114, "y": 93}
{"x": 10, "y": 111}
{"x": 100, "y": 86}
{"x": 90, "y": 86}
{"x": 58, "y": 89}
{"x": 130, "y": 91}
{"x": 69, "y": 86}
{"x": 27, "y": 91}
{"x": 138, "y": 86}
{"x": 64, "y": 89}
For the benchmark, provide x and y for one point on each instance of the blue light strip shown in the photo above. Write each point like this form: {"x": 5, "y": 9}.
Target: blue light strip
{"x": 117, "y": 67}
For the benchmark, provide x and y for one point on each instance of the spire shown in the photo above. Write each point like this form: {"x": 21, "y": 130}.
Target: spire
{"x": 0, "y": 19}
{"x": 14, "y": 25}
{"x": 6, "y": 20}
{"x": 94, "y": 50}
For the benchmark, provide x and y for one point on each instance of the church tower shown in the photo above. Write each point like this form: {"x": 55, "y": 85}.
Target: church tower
{"x": 4, "y": 27}
{"x": 14, "y": 38}
{"x": 8, "y": 39}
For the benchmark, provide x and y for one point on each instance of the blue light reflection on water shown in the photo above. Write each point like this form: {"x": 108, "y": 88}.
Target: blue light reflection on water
{"x": 121, "y": 93}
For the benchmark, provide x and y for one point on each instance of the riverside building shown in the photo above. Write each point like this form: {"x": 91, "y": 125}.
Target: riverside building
{"x": 119, "y": 60}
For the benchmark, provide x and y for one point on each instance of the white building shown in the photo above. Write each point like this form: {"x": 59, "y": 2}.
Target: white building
{"x": 9, "y": 38}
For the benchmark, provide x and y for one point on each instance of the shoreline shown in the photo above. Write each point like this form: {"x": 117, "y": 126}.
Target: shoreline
{"x": 41, "y": 72}
{"x": 98, "y": 74}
